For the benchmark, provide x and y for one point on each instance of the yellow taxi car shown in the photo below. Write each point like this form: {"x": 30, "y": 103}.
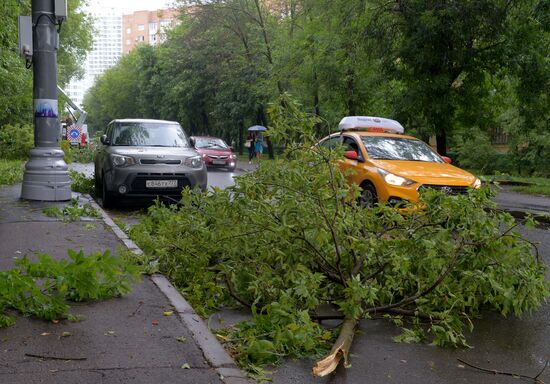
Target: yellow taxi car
{"x": 391, "y": 167}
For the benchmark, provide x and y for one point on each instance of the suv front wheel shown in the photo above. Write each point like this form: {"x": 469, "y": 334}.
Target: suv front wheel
{"x": 106, "y": 197}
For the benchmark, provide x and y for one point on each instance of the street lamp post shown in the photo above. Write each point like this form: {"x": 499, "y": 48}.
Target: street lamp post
{"x": 46, "y": 175}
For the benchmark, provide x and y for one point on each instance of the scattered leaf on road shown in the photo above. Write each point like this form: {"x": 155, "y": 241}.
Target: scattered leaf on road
{"x": 155, "y": 322}
{"x": 181, "y": 339}
{"x": 44, "y": 334}
{"x": 66, "y": 334}
{"x": 168, "y": 313}
{"x": 186, "y": 366}
{"x": 222, "y": 338}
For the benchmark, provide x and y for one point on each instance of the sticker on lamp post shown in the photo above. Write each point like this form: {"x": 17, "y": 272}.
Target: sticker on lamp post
{"x": 45, "y": 108}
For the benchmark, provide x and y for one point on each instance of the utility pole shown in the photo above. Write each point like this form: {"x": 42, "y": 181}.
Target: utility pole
{"x": 46, "y": 175}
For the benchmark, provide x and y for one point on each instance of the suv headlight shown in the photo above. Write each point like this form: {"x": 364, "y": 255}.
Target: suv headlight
{"x": 392, "y": 179}
{"x": 122, "y": 161}
{"x": 193, "y": 162}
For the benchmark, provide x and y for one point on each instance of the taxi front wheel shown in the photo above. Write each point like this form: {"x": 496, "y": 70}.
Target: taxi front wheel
{"x": 368, "y": 196}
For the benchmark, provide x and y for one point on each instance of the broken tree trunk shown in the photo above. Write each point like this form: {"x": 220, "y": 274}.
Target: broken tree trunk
{"x": 340, "y": 349}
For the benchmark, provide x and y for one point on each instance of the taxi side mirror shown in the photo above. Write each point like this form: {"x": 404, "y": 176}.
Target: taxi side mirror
{"x": 446, "y": 159}
{"x": 352, "y": 155}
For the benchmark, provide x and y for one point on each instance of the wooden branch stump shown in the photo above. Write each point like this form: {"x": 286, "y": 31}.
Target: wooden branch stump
{"x": 340, "y": 349}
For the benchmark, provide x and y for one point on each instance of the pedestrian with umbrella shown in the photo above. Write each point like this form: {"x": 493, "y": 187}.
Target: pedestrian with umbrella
{"x": 250, "y": 145}
{"x": 258, "y": 144}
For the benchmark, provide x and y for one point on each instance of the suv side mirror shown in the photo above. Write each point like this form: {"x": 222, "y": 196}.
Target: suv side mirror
{"x": 192, "y": 141}
{"x": 104, "y": 140}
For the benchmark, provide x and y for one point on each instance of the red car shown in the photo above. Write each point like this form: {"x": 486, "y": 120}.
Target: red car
{"x": 215, "y": 152}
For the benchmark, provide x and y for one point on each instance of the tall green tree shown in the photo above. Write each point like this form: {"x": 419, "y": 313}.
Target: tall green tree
{"x": 443, "y": 68}
{"x": 529, "y": 60}
{"x": 441, "y": 51}
{"x": 15, "y": 79}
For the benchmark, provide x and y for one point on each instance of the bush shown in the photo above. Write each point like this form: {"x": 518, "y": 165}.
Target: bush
{"x": 11, "y": 171}
{"x": 476, "y": 152}
{"x": 81, "y": 183}
{"x": 16, "y": 141}
{"x": 68, "y": 154}
{"x": 77, "y": 154}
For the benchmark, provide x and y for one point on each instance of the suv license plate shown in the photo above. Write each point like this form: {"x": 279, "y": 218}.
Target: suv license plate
{"x": 218, "y": 162}
{"x": 161, "y": 183}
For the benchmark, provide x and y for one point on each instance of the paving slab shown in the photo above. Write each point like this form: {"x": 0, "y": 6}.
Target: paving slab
{"x": 121, "y": 340}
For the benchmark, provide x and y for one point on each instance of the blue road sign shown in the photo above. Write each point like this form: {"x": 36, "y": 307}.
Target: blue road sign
{"x": 74, "y": 133}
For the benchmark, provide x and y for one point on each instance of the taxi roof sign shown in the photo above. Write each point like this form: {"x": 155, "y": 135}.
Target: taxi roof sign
{"x": 375, "y": 124}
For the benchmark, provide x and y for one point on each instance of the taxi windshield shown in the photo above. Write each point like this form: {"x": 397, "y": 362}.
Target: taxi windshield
{"x": 399, "y": 148}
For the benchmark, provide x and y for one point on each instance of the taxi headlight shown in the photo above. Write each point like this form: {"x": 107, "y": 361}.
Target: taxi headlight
{"x": 477, "y": 183}
{"x": 392, "y": 179}
{"x": 193, "y": 162}
{"x": 122, "y": 161}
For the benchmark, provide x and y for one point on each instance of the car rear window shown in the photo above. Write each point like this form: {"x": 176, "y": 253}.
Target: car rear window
{"x": 149, "y": 135}
{"x": 399, "y": 148}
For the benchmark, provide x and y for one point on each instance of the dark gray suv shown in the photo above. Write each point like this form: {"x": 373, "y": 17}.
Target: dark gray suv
{"x": 146, "y": 158}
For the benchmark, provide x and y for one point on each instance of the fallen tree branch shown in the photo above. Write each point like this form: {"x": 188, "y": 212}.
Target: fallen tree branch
{"x": 54, "y": 357}
{"x": 410, "y": 312}
{"x": 496, "y": 372}
{"x": 234, "y": 294}
{"x": 413, "y": 298}
{"x": 340, "y": 349}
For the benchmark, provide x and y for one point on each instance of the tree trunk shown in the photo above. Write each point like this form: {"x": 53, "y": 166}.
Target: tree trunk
{"x": 340, "y": 349}
{"x": 267, "y": 48}
{"x": 316, "y": 108}
{"x": 263, "y": 119}
{"x": 441, "y": 138}
{"x": 205, "y": 122}
{"x": 241, "y": 137}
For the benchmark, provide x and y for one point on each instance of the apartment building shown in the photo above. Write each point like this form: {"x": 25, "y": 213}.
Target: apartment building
{"x": 106, "y": 50}
{"x": 146, "y": 27}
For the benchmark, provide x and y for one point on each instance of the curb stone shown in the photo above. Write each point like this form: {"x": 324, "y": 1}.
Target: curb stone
{"x": 213, "y": 351}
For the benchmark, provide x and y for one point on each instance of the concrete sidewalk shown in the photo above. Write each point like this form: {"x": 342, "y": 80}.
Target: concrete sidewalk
{"x": 122, "y": 340}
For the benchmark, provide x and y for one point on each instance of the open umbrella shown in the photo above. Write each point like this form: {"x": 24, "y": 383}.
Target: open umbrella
{"x": 257, "y": 128}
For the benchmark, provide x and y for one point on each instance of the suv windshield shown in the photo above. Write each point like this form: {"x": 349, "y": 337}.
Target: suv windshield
{"x": 210, "y": 142}
{"x": 398, "y": 148}
{"x": 149, "y": 135}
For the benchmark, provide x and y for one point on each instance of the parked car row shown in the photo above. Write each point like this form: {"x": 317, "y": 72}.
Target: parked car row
{"x": 147, "y": 158}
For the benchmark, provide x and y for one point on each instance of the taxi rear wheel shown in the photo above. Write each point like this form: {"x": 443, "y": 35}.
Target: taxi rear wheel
{"x": 368, "y": 196}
